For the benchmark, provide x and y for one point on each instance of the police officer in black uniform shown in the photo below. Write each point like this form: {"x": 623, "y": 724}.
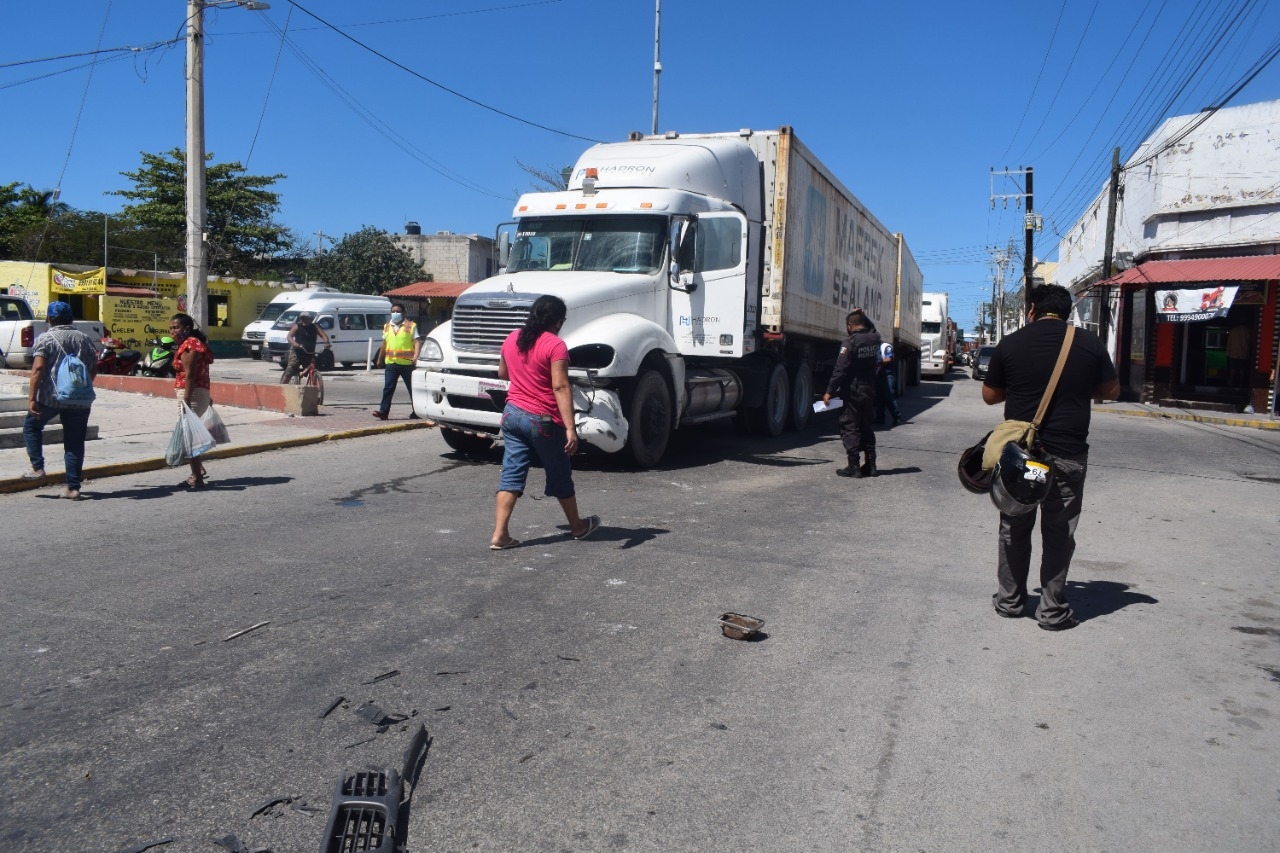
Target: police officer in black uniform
{"x": 854, "y": 379}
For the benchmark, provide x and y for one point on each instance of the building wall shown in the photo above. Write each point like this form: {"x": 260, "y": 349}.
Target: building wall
{"x": 452, "y": 257}
{"x": 1213, "y": 192}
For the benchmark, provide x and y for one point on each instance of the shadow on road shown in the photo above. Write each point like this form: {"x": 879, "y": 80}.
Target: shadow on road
{"x": 1091, "y": 599}
{"x": 146, "y": 493}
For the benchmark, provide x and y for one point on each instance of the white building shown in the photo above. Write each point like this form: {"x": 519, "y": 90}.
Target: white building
{"x": 1204, "y": 186}
{"x": 445, "y": 256}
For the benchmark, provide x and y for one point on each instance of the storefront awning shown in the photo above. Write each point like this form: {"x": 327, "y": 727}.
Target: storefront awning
{"x": 1253, "y": 268}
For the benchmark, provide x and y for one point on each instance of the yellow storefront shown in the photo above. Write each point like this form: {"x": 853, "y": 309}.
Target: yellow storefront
{"x": 135, "y": 305}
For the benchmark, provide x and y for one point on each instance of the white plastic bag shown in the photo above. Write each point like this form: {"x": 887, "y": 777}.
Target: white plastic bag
{"x": 216, "y": 427}
{"x": 189, "y": 439}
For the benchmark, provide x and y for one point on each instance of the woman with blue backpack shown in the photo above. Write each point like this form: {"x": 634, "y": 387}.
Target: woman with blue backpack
{"x": 62, "y": 371}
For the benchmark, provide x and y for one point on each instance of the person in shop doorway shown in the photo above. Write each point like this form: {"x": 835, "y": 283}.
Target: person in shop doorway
{"x": 1239, "y": 341}
{"x": 401, "y": 341}
{"x": 854, "y": 380}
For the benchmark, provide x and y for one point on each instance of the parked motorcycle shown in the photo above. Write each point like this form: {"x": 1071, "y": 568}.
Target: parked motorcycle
{"x": 158, "y": 361}
{"x": 115, "y": 360}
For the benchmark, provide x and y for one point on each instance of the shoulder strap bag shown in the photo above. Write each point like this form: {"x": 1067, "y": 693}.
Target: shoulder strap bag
{"x": 1024, "y": 432}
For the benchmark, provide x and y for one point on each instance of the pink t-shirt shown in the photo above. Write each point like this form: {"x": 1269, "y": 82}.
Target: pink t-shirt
{"x": 530, "y": 373}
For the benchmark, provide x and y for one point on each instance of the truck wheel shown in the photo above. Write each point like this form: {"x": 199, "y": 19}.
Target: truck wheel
{"x": 471, "y": 445}
{"x": 801, "y": 396}
{"x": 649, "y": 420}
{"x": 771, "y": 417}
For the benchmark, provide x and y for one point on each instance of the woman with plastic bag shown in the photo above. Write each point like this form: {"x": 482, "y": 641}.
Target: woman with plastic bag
{"x": 191, "y": 363}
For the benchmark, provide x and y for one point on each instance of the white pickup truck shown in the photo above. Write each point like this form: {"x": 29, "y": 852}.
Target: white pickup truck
{"x": 19, "y": 329}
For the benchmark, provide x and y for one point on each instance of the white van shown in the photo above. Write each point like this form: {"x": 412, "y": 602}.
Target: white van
{"x": 351, "y": 320}
{"x": 255, "y": 334}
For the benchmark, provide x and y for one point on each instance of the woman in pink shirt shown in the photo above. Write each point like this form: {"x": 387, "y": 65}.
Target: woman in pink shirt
{"x": 538, "y": 419}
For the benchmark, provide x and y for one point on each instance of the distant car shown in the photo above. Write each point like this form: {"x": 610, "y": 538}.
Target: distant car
{"x": 980, "y": 362}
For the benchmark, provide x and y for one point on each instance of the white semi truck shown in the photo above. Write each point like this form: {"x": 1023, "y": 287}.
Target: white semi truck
{"x": 935, "y": 337}
{"x": 707, "y": 276}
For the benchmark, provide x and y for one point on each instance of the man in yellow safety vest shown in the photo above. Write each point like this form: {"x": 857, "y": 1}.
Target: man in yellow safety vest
{"x": 401, "y": 341}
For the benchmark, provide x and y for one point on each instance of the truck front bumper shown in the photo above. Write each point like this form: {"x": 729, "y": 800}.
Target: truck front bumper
{"x": 471, "y": 403}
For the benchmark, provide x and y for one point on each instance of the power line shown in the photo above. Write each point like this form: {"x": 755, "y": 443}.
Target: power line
{"x": 439, "y": 85}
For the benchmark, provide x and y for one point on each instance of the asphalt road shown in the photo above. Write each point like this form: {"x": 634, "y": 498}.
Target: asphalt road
{"x": 579, "y": 695}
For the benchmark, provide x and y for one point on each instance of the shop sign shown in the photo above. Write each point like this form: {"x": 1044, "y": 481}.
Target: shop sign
{"x": 1194, "y": 304}
{"x": 134, "y": 321}
{"x": 94, "y": 282}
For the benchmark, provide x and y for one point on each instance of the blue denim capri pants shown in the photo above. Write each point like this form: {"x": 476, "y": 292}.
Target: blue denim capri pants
{"x": 525, "y": 434}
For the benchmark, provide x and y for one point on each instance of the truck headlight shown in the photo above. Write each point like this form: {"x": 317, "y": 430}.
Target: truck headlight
{"x": 430, "y": 351}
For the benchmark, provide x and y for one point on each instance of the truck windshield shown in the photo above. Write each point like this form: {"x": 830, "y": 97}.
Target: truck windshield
{"x": 625, "y": 244}
{"x": 930, "y": 328}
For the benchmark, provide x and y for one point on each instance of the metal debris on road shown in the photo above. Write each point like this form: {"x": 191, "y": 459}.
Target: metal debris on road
{"x": 736, "y": 626}
{"x": 246, "y": 630}
{"x": 330, "y": 709}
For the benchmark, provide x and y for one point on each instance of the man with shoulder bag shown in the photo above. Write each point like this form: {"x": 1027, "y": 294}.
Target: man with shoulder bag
{"x": 1036, "y": 359}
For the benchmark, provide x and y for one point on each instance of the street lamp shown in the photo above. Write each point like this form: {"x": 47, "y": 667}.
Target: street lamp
{"x": 197, "y": 268}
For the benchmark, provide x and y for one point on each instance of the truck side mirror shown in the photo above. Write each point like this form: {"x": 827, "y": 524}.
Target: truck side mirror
{"x": 504, "y": 249}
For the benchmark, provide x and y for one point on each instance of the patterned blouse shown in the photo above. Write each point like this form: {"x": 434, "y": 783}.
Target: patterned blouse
{"x": 200, "y": 366}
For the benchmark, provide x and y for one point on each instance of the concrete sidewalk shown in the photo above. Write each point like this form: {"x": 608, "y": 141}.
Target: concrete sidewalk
{"x": 134, "y": 430}
{"x": 1253, "y": 421}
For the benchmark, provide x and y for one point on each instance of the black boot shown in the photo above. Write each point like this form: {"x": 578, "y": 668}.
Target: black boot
{"x": 869, "y": 469}
{"x": 853, "y": 470}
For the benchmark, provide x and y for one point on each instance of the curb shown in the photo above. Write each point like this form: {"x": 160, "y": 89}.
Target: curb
{"x": 226, "y": 452}
{"x": 1251, "y": 423}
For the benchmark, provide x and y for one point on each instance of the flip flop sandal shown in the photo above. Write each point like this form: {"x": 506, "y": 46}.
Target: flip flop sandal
{"x": 34, "y": 475}
{"x": 593, "y": 524}
{"x": 510, "y": 544}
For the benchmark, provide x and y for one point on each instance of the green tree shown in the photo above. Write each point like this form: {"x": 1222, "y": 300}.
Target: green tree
{"x": 368, "y": 261}
{"x": 244, "y": 239}
{"x": 26, "y": 215}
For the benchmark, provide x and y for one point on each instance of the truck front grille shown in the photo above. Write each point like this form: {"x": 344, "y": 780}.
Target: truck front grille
{"x": 480, "y": 328}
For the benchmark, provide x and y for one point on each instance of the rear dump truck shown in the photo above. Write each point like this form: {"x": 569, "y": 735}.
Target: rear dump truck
{"x": 707, "y": 276}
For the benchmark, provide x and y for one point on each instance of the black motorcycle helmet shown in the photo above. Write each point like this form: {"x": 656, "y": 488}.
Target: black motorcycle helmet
{"x": 970, "y": 471}
{"x": 1020, "y": 481}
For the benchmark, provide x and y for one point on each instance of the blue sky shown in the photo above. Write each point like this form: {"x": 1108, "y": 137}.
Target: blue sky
{"x": 910, "y": 104}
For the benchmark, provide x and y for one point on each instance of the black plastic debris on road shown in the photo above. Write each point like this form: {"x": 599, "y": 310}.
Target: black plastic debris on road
{"x": 390, "y": 674}
{"x": 379, "y": 717}
{"x": 147, "y": 845}
{"x": 332, "y": 706}
{"x": 235, "y": 845}
{"x": 271, "y": 804}
{"x": 370, "y": 809}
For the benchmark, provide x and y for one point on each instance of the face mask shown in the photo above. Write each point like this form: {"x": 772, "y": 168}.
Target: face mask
{"x": 396, "y": 316}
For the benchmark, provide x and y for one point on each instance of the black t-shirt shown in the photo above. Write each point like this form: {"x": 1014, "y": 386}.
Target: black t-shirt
{"x": 304, "y": 335}
{"x": 1022, "y": 365}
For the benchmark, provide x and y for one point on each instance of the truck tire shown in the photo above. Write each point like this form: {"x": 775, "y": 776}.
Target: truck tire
{"x": 771, "y": 417}
{"x": 471, "y": 445}
{"x": 801, "y": 396}
{"x": 649, "y": 420}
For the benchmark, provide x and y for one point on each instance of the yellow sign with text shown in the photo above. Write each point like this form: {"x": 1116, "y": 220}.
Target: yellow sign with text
{"x": 92, "y": 282}
{"x": 134, "y": 321}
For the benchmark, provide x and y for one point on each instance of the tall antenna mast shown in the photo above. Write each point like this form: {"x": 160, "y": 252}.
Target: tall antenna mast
{"x": 657, "y": 63}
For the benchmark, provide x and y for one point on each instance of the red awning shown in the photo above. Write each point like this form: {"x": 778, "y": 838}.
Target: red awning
{"x": 429, "y": 289}
{"x": 1252, "y": 268}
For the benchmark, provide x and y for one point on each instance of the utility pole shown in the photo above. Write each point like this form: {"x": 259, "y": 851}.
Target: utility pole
{"x": 657, "y": 63}
{"x": 1029, "y": 253}
{"x": 197, "y": 268}
{"x": 1108, "y": 247}
{"x": 197, "y": 263}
